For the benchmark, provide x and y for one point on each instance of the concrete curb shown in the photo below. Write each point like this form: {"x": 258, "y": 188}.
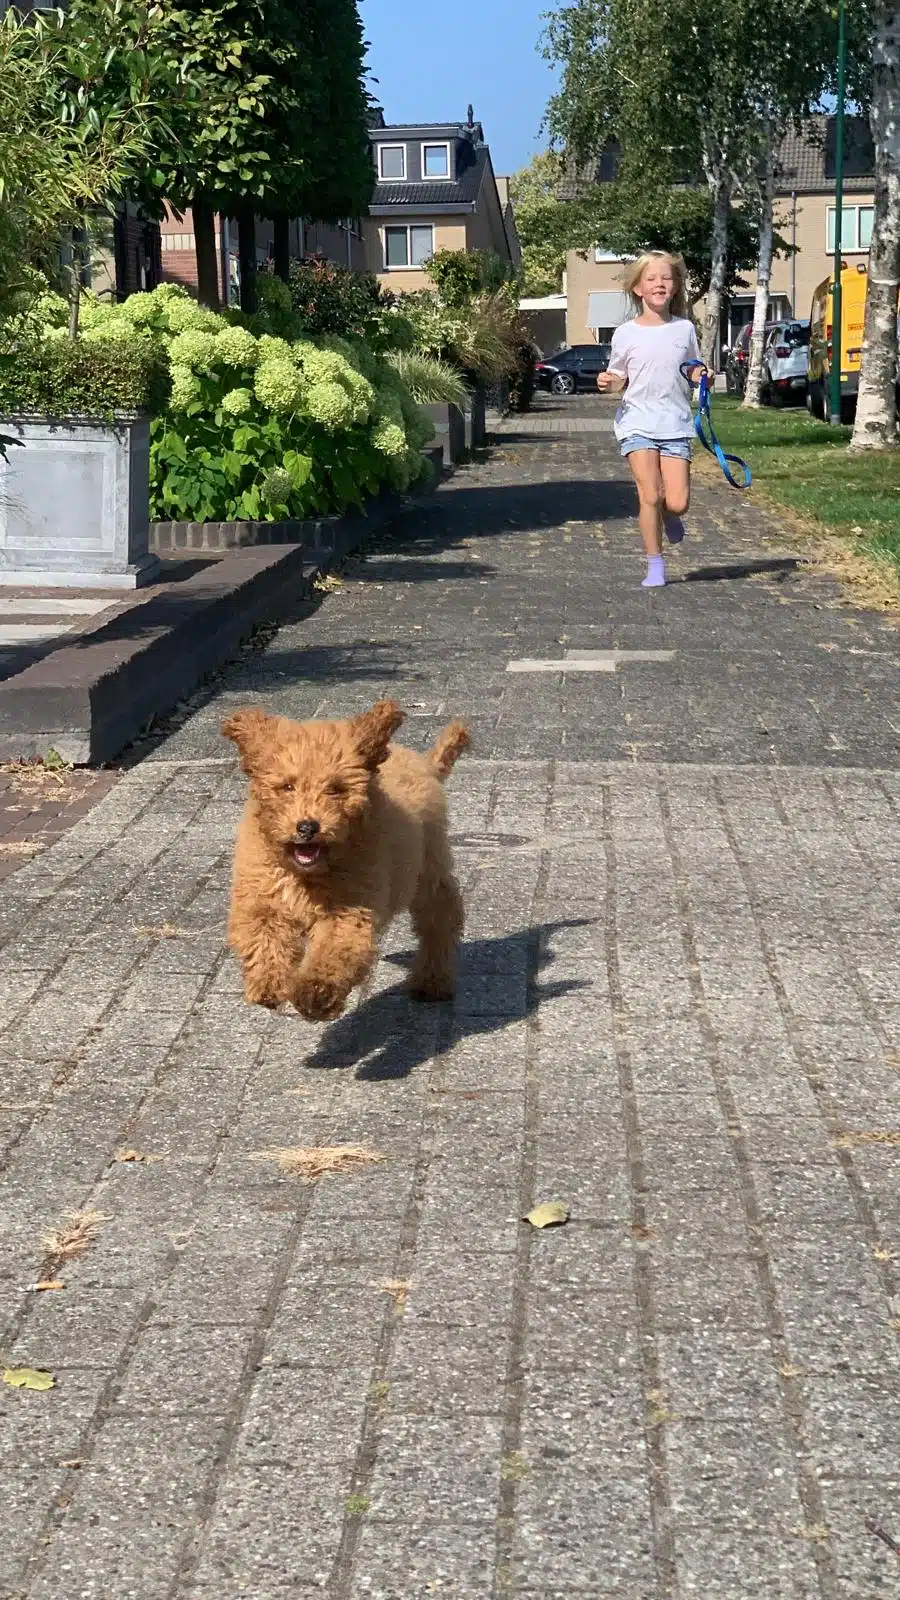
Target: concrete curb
{"x": 90, "y": 698}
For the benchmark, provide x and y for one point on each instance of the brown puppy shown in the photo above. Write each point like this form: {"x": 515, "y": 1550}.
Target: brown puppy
{"x": 342, "y": 831}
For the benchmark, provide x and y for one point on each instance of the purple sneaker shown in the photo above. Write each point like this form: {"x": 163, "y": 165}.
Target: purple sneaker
{"x": 674, "y": 529}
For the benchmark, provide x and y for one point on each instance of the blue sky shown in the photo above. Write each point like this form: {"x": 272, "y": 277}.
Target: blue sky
{"x": 433, "y": 57}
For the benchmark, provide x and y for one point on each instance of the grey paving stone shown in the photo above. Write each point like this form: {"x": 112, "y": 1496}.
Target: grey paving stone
{"x": 282, "y": 1520}
{"x": 437, "y": 1558}
{"x": 721, "y": 1560}
{"x": 446, "y": 1468}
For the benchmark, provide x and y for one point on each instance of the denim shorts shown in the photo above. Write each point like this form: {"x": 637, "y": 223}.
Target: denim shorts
{"x": 680, "y": 448}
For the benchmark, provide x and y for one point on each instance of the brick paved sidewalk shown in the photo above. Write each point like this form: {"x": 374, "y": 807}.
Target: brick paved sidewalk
{"x": 678, "y": 1012}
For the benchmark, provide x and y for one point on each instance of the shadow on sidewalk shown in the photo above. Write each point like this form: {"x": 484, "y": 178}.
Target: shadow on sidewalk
{"x": 781, "y": 567}
{"x": 378, "y": 1039}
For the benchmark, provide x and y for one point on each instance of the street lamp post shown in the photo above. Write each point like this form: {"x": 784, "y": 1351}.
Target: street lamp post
{"x": 836, "y": 303}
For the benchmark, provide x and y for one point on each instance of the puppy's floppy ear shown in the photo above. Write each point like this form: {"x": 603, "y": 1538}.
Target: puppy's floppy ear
{"x": 373, "y": 730}
{"x": 251, "y": 733}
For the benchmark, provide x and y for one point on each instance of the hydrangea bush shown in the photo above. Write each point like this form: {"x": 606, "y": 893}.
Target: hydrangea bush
{"x": 261, "y": 426}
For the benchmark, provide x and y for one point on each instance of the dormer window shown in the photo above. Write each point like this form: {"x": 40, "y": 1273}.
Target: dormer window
{"x": 435, "y": 161}
{"x": 392, "y": 162}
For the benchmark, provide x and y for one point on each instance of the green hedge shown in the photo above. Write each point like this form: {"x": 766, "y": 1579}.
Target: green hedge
{"x": 73, "y": 378}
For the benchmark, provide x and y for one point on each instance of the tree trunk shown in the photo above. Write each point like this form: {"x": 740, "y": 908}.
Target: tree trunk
{"x": 876, "y": 409}
{"x": 247, "y": 256}
{"x": 719, "y": 180}
{"x": 205, "y": 248}
{"x": 281, "y": 224}
{"x": 753, "y": 393}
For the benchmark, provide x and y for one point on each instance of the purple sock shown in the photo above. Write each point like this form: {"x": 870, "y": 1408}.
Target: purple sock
{"x": 674, "y": 528}
{"x": 656, "y": 573}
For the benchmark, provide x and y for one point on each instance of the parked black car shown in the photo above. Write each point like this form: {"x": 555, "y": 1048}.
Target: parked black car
{"x": 575, "y": 368}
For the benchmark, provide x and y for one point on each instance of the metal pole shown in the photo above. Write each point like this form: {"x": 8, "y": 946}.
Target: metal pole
{"x": 795, "y": 253}
{"x": 836, "y": 304}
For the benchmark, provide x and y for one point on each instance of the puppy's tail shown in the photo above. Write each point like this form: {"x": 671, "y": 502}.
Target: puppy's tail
{"x": 450, "y": 746}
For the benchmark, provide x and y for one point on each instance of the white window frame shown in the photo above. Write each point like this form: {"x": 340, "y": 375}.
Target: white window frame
{"x": 435, "y": 144}
{"x": 854, "y": 249}
{"x": 381, "y": 149}
{"x": 407, "y": 227}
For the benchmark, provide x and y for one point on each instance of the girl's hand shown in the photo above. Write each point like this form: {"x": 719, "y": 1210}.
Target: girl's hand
{"x": 611, "y": 382}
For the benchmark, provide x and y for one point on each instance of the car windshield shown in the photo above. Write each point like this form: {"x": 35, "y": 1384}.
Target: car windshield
{"x": 559, "y": 358}
{"x": 796, "y": 334}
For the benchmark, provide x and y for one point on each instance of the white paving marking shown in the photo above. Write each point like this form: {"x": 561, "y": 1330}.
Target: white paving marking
{"x": 591, "y": 661}
{"x": 29, "y": 632}
{"x": 22, "y": 606}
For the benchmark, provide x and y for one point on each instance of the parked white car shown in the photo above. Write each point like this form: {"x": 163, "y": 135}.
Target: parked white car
{"x": 786, "y": 362}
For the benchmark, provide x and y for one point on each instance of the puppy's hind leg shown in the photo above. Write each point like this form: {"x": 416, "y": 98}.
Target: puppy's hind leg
{"x": 438, "y": 918}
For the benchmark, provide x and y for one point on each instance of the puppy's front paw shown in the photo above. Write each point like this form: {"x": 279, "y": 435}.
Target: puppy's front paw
{"x": 319, "y": 1001}
{"x": 261, "y": 994}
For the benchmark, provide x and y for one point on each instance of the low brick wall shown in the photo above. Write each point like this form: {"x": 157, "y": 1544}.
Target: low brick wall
{"x": 320, "y": 535}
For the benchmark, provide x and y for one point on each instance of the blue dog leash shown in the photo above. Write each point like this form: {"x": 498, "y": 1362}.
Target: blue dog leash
{"x": 704, "y": 416}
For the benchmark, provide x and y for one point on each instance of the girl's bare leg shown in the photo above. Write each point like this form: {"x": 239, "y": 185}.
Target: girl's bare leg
{"x": 645, "y": 469}
{"x": 676, "y": 477}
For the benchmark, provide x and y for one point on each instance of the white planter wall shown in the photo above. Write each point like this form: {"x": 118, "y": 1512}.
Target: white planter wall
{"x": 75, "y": 505}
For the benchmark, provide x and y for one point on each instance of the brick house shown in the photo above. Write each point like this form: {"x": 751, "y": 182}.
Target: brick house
{"x": 804, "y": 217}
{"x": 340, "y": 243}
{"x": 435, "y": 189}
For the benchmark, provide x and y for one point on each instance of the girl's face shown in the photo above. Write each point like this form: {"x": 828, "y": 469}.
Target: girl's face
{"x": 657, "y": 285}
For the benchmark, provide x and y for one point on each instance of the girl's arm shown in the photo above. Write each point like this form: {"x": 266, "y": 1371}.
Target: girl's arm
{"x": 615, "y": 378}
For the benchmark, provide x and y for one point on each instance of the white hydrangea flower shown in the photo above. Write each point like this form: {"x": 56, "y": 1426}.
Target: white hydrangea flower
{"x": 388, "y": 437}
{"x": 278, "y": 384}
{"x": 329, "y": 404}
{"x": 237, "y": 402}
{"x": 237, "y": 348}
{"x": 193, "y": 348}
{"x": 184, "y": 388}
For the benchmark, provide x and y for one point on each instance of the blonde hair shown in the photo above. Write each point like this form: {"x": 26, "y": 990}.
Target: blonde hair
{"x": 635, "y": 270}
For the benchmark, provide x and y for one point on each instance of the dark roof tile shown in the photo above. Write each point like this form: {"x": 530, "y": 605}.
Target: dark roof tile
{"x": 442, "y": 193}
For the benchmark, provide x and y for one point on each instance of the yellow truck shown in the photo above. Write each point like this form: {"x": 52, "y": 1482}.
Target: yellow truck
{"x": 854, "y": 282}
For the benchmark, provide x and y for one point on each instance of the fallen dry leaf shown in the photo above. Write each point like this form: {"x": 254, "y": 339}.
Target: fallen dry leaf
{"x": 167, "y": 930}
{"x": 71, "y": 1238}
{"x": 28, "y": 1378}
{"x": 45, "y": 1284}
{"x": 881, "y": 1252}
{"x": 74, "y": 1462}
{"x": 311, "y": 1163}
{"x": 328, "y": 583}
{"x": 552, "y": 1214}
{"x": 134, "y": 1155}
{"x": 788, "y": 1370}
{"x": 852, "y": 1137}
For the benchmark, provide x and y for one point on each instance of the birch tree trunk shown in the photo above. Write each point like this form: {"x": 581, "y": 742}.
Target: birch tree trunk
{"x": 876, "y": 409}
{"x": 719, "y": 179}
{"x": 753, "y": 392}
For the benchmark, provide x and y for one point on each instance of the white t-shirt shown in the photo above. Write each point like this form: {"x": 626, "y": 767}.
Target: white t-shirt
{"x": 657, "y": 402}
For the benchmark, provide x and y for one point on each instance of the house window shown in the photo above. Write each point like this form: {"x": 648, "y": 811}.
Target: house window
{"x": 408, "y": 247}
{"x": 392, "y": 161}
{"x": 435, "y": 161}
{"x": 856, "y": 227}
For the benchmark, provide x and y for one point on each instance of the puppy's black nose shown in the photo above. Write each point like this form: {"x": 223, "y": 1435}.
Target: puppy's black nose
{"x": 306, "y": 831}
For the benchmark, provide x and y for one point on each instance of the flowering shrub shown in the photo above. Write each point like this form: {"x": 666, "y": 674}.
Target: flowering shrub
{"x": 259, "y": 425}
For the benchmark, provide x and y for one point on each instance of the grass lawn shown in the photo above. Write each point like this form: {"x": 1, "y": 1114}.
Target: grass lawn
{"x": 806, "y": 467}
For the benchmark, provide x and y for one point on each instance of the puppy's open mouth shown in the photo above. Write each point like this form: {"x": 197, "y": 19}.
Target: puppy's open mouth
{"x": 307, "y": 856}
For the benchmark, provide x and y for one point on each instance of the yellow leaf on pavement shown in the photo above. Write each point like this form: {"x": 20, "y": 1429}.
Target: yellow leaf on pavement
{"x": 27, "y": 1378}
{"x": 549, "y": 1215}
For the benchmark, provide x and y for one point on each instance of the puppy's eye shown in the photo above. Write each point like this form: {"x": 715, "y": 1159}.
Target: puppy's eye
{"x": 286, "y": 788}
{"x": 337, "y": 786}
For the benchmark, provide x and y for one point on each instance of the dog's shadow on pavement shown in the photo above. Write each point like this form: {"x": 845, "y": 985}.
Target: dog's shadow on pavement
{"x": 389, "y": 1035}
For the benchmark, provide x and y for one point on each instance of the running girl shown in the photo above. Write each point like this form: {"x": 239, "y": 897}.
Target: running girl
{"x": 654, "y": 422}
